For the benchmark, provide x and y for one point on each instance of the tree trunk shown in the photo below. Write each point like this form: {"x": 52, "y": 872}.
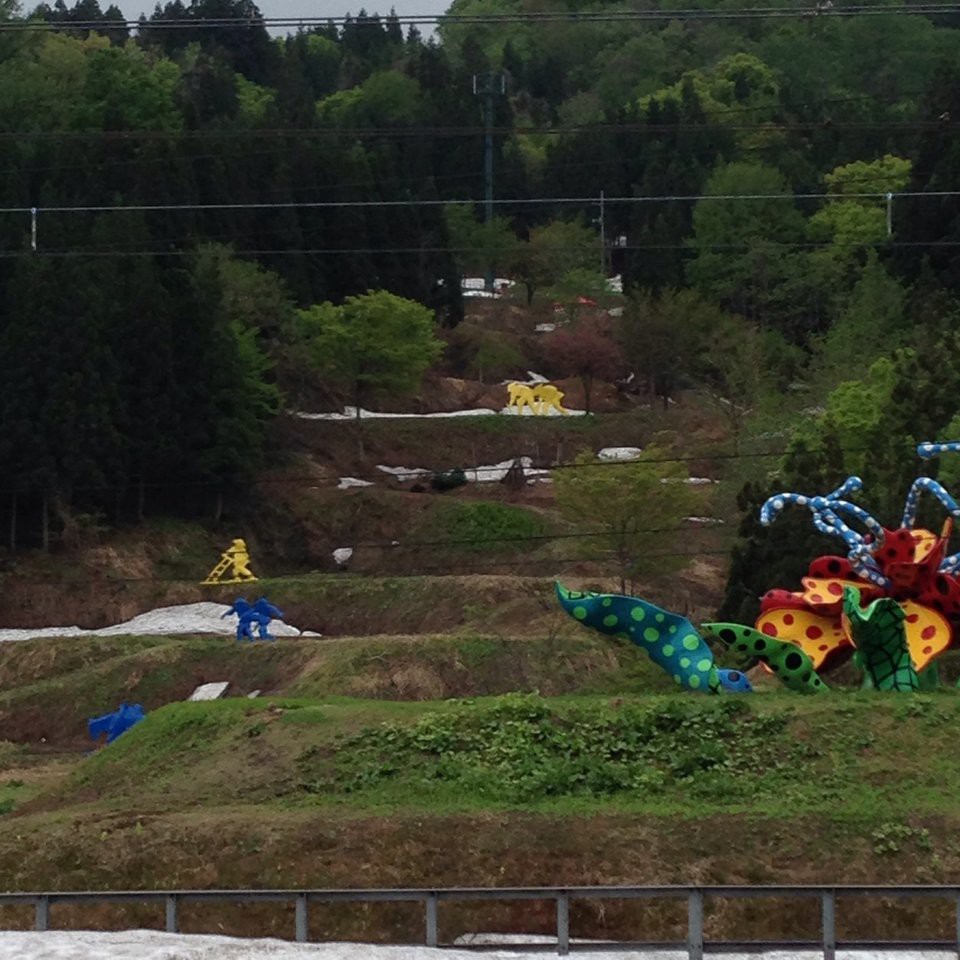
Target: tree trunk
{"x": 218, "y": 506}
{"x": 13, "y": 522}
{"x": 141, "y": 497}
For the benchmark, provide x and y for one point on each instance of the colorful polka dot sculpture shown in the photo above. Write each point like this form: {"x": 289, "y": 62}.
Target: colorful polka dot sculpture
{"x": 790, "y": 664}
{"x": 669, "y": 639}
{"x": 892, "y": 601}
{"x": 905, "y": 567}
{"x": 882, "y": 649}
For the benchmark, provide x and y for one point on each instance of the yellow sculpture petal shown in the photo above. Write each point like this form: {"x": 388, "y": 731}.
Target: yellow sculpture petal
{"x": 928, "y": 633}
{"x": 820, "y": 638}
{"x": 827, "y": 593}
{"x": 924, "y": 542}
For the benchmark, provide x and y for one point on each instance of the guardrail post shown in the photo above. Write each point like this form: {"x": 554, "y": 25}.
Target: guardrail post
{"x": 42, "y": 916}
{"x": 431, "y": 919}
{"x": 956, "y": 895}
{"x": 563, "y": 924}
{"x": 300, "y": 918}
{"x": 173, "y": 920}
{"x": 695, "y": 925}
{"x": 829, "y": 927}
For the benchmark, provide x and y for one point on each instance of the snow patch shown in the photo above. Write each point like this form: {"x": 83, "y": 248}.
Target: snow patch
{"x": 486, "y": 473}
{"x": 153, "y": 945}
{"x": 693, "y": 481}
{"x": 550, "y": 412}
{"x": 347, "y": 482}
{"x": 620, "y": 453}
{"x": 164, "y": 621}
{"x": 350, "y": 413}
{"x": 494, "y": 472}
{"x": 403, "y": 474}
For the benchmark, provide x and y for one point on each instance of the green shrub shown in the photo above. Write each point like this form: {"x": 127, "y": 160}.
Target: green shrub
{"x": 487, "y": 526}
{"x": 524, "y": 748}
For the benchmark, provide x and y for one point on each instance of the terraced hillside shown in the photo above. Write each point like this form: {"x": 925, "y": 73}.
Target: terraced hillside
{"x": 588, "y": 776}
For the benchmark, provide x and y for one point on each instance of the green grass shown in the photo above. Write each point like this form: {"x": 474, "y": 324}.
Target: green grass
{"x": 482, "y": 526}
{"x": 847, "y": 757}
{"x": 50, "y": 688}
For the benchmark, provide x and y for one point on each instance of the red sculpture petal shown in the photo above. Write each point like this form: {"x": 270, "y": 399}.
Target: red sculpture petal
{"x": 777, "y": 599}
{"x": 914, "y": 577}
{"x": 898, "y": 547}
{"x": 829, "y": 566}
{"x": 942, "y": 593}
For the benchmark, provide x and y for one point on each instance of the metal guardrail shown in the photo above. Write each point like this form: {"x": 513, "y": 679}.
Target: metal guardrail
{"x": 695, "y": 945}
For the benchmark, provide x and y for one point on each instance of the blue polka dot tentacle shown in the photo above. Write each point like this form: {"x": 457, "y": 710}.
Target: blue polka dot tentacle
{"x": 827, "y": 513}
{"x": 927, "y": 451}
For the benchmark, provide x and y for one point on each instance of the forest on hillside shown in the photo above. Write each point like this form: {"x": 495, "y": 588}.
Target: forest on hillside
{"x": 779, "y": 195}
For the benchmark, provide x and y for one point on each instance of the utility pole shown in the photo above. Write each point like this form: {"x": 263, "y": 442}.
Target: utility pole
{"x": 493, "y": 84}
{"x": 603, "y": 240}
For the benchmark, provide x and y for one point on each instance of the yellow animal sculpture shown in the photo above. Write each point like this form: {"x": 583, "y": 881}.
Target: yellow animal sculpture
{"x": 520, "y": 396}
{"x": 236, "y": 559}
{"x": 547, "y": 396}
{"x": 540, "y": 398}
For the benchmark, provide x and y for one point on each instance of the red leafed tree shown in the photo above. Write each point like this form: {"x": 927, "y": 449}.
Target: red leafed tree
{"x": 587, "y": 351}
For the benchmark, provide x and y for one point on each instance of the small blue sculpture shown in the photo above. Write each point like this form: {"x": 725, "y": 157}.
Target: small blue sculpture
{"x": 261, "y": 613}
{"x": 734, "y": 681}
{"x": 266, "y": 612}
{"x": 113, "y": 724}
{"x": 247, "y": 615}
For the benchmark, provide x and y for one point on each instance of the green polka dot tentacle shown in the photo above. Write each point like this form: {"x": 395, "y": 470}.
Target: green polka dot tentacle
{"x": 881, "y": 640}
{"x": 670, "y": 640}
{"x": 787, "y": 661}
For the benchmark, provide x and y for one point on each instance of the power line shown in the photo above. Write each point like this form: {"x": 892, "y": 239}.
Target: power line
{"x": 390, "y": 545}
{"x": 400, "y": 545}
{"x": 434, "y": 133}
{"x": 557, "y": 16}
{"x": 311, "y": 480}
{"x": 689, "y": 248}
{"x": 416, "y": 571}
{"x": 469, "y": 201}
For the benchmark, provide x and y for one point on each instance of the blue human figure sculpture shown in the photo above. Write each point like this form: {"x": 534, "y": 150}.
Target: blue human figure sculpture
{"x": 247, "y": 615}
{"x": 265, "y": 612}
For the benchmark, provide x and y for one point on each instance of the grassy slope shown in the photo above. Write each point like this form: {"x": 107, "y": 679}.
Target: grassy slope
{"x": 845, "y": 787}
{"x": 49, "y": 688}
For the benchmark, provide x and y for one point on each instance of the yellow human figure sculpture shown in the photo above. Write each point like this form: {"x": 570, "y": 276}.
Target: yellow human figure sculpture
{"x": 547, "y": 396}
{"x": 521, "y": 396}
{"x": 237, "y": 558}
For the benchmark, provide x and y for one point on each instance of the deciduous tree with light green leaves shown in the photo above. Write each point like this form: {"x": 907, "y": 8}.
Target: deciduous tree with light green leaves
{"x": 553, "y": 251}
{"x": 848, "y": 224}
{"x": 373, "y": 344}
{"x": 636, "y": 509}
